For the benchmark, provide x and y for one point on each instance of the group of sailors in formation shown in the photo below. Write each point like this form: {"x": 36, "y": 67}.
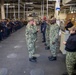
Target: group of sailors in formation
{"x": 50, "y": 32}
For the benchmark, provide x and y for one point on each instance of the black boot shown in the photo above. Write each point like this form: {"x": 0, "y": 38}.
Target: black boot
{"x": 45, "y": 44}
{"x": 33, "y": 59}
{"x": 43, "y": 41}
{"x": 47, "y": 48}
{"x": 52, "y": 58}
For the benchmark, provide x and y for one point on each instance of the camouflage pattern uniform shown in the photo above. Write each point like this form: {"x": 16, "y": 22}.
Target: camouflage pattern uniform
{"x": 70, "y": 62}
{"x": 31, "y": 37}
{"x": 47, "y": 35}
{"x": 54, "y": 35}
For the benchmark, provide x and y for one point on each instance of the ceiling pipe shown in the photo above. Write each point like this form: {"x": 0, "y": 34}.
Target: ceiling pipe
{"x": 69, "y": 4}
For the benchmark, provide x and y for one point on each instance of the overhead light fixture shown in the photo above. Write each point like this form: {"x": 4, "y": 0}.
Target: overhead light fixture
{"x": 7, "y": 4}
{"x": 29, "y": 3}
{"x": 55, "y": 0}
{"x": 52, "y": 0}
{"x": 11, "y": 6}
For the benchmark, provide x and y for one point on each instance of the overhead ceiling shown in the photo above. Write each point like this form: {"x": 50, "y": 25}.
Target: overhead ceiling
{"x": 36, "y": 3}
{"x": 72, "y": 2}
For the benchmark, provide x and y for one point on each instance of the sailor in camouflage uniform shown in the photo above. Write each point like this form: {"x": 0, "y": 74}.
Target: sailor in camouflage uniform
{"x": 54, "y": 35}
{"x": 70, "y": 47}
{"x": 31, "y": 37}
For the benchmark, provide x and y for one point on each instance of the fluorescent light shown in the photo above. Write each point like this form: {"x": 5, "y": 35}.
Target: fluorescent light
{"x": 52, "y": 0}
{"x": 57, "y": 0}
{"x": 11, "y": 6}
{"x": 29, "y": 3}
{"x": 6, "y": 4}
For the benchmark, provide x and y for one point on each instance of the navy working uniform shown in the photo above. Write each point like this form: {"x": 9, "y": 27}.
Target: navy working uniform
{"x": 31, "y": 36}
{"x": 71, "y": 52}
{"x": 54, "y": 35}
